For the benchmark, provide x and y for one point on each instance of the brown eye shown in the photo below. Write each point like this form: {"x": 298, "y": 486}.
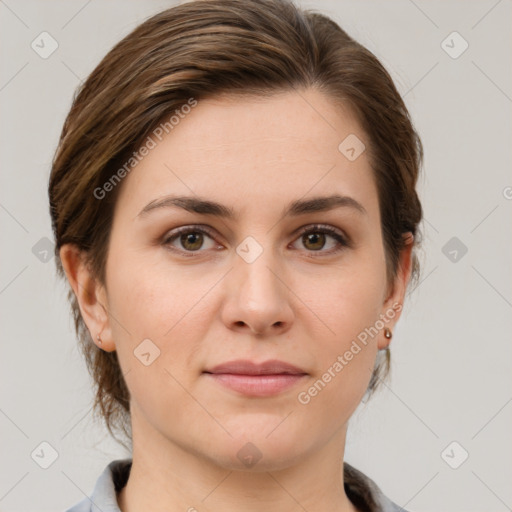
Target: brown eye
{"x": 314, "y": 241}
{"x": 315, "y": 238}
{"x": 189, "y": 240}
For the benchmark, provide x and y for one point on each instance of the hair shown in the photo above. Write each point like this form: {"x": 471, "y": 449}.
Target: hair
{"x": 202, "y": 49}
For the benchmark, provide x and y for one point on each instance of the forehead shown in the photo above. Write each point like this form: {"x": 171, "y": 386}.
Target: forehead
{"x": 259, "y": 150}
{"x": 282, "y": 121}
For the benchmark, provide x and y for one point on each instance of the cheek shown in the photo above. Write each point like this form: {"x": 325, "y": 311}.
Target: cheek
{"x": 345, "y": 357}
{"x": 349, "y": 301}
{"x": 148, "y": 302}
{"x": 349, "y": 306}
{"x": 147, "y": 306}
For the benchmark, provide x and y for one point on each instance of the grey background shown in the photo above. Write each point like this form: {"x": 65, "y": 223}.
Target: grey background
{"x": 452, "y": 364}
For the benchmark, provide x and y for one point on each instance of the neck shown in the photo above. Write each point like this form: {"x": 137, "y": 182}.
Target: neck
{"x": 168, "y": 477}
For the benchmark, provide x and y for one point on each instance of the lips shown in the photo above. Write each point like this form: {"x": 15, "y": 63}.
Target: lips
{"x": 246, "y": 367}
{"x": 256, "y": 380}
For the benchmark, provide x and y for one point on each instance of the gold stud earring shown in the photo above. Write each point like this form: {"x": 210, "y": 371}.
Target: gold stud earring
{"x": 387, "y": 333}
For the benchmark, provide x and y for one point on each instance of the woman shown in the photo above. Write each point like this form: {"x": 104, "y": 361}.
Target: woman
{"x": 234, "y": 206}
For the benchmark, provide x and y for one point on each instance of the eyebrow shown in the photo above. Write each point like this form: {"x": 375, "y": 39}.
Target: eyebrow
{"x": 204, "y": 206}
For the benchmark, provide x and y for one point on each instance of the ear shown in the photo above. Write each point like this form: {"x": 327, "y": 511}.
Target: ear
{"x": 393, "y": 304}
{"x": 91, "y": 296}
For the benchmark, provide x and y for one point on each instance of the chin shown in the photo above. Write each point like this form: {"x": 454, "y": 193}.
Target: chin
{"x": 256, "y": 459}
{"x": 257, "y": 448}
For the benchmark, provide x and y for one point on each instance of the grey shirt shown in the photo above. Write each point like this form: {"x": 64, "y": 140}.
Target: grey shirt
{"x": 361, "y": 490}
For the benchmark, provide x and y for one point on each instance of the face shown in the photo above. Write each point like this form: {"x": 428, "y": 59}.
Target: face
{"x": 189, "y": 290}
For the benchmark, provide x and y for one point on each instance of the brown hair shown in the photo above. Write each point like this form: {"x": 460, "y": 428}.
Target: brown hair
{"x": 197, "y": 50}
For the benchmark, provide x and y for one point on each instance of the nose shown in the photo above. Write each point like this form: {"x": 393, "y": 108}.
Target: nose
{"x": 257, "y": 297}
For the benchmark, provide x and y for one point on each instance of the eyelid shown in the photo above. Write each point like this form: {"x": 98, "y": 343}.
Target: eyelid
{"x": 321, "y": 227}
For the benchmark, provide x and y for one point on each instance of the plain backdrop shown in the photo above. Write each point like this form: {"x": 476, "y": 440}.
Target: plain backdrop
{"x": 450, "y": 392}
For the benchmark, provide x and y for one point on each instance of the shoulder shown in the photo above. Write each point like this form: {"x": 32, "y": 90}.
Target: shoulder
{"x": 104, "y": 495}
{"x": 364, "y": 493}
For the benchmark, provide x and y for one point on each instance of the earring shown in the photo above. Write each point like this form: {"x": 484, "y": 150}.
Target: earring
{"x": 99, "y": 339}
{"x": 387, "y": 333}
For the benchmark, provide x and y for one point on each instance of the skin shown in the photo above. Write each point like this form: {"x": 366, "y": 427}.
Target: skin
{"x": 298, "y": 302}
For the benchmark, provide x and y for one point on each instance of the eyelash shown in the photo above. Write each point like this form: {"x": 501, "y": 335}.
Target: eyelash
{"x": 315, "y": 228}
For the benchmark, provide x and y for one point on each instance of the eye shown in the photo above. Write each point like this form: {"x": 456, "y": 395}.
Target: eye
{"x": 189, "y": 238}
{"x": 314, "y": 239}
